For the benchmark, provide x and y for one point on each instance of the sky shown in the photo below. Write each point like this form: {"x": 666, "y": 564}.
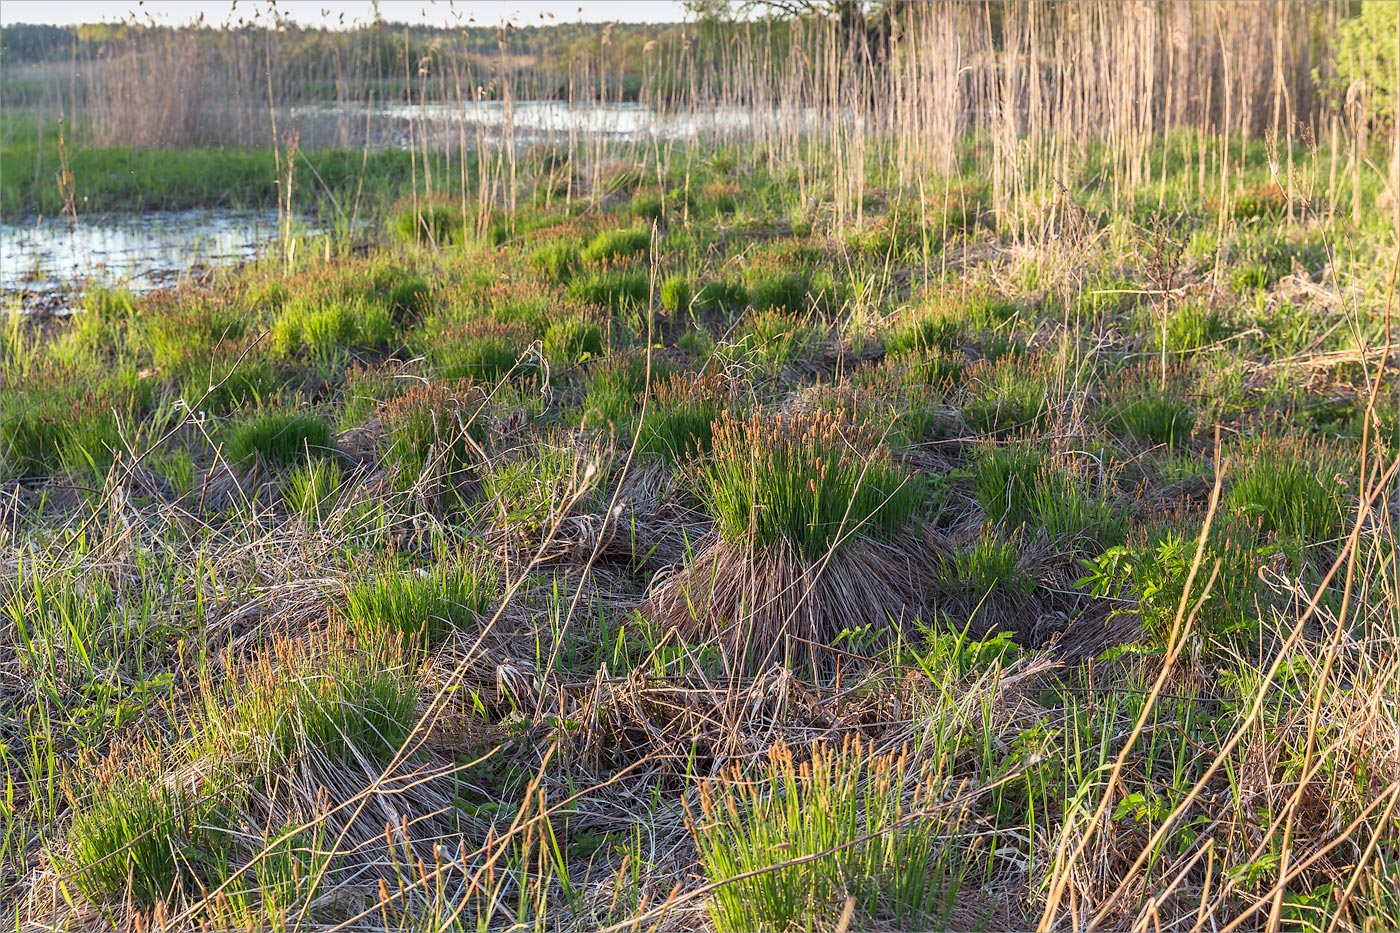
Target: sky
{"x": 329, "y": 12}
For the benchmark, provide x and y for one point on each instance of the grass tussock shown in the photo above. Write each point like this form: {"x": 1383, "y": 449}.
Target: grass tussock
{"x": 836, "y": 832}
{"x": 811, "y": 482}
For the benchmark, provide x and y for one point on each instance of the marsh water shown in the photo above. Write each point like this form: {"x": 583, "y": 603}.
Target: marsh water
{"x": 45, "y": 262}
{"x": 488, "y": 123}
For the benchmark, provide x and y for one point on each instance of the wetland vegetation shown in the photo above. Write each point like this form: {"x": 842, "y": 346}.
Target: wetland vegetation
{"x": 959, "y": 495}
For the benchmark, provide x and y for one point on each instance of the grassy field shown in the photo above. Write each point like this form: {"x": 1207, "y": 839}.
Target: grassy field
{"x": 108, "y": 179}
{"x": 699, "y": 558}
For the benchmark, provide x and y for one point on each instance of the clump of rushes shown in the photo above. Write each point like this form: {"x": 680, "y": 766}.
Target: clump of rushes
{"x": 648, "y": 205}
{"x": 989, "y": 566}
{"x": 409, "y": 298}
{"x": 926, "y": 329}
{"x": 1154, "y": 418}
{"x": 137, "y": 837}
{"x": 1295, "y": 489}
{"x": 889, "y": 237}
{"x": 679, "y": 422}
{"x": 880, "y": 398}
{"x": 916, "y": 372}
{"x": 104, "y": 331}
{"x": 721, "y": 295}
{"x": 338, "y": 710}
{"x": 483, "y": 349}
{"x": 616, "y": 386}
{"x": 1009, "y": 395}
{"x": 774, "y": 289}
{"x": 232, "y": 375}
{"x": 437, "y": 426}
{"x": 676, "y": 293}
{"x": 367, "y": 387}
{"x": 552, "y": 475}
{"x": 805, "y": 506}
{"x": 983, "y": 584}
{"x": 183, "y": 335}
{"x": 418, "y": 609}
{"x": 322, "y": 329}
{"x": 1059, "y": 495}
{"x": 617, "y": 244}
{"x": 572, "y": 340}
{"x": 720, "y": 197}
{"x": 60, "y": 418}
{"x": 982, "y": 309}
{"x": 313, "y": 489}
{"x": 610, "y": 288}
{"x": 778, "y": 338}
{"x": 803, "y": 836}
{"x": 557, "y": 260}
{"x": 440, "y": 223}
{"x": 809, "y": 481}
{"x": 1266, "y": 200}
{"x": 279, "y": 439}
{"x": 1191, "y": 326}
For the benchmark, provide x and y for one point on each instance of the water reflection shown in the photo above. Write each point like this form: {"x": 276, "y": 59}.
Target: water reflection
{"x": 43, "y": 261}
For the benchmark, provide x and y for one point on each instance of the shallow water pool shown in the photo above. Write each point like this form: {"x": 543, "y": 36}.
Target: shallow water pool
{"x": 45, "y": 263}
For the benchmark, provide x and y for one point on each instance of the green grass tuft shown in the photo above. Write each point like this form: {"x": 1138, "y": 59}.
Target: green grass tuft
{"x": 418, "y": 609}
{"x": 618, "y": 244}
{"x": 483, "y": 349}
{"x": 438, "y": 425}
{"x": 337, "y": 711}
{"x": 572, "y": 340}
{"x": 1154, "y": 418}
{"x": 812, "y": 481}
{"x": 279, "y": 439}
{"x": 557, "y": 261}
{"x": 1020, "y": 486}
{"x": 676, "y": 294}
{"x": 850, "y": 821}
{"x": 140, "y": 837}
{"x": 313, "y": 490}
{"x": 617, "y": 290}
{"x": 680, "y": 420}
{"x": 1294, "y": 488}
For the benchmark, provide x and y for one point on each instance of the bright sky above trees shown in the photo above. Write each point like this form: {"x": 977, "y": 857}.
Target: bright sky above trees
{"x": 333, "y": 13}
